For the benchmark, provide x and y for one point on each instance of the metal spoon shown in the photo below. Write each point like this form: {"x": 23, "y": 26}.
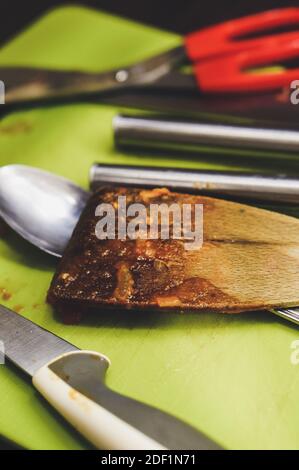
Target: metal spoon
{"x": 50, "y": 223}
{"x": 41, "y": 207}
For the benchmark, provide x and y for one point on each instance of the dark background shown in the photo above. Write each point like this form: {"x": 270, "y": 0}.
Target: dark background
{"x": 181, "y": 16}
{"x": 176, "y": 15}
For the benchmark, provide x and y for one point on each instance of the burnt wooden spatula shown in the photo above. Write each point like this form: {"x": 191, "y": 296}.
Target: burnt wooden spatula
{"x": 249, "y": 258}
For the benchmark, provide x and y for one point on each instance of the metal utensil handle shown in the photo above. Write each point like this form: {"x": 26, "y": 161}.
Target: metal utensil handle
{"x": 159, "y": 133}
{"x": 268, "y": 188}
{"x": 290, "y": 314}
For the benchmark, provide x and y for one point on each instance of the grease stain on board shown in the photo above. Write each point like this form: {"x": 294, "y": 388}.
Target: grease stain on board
{"x": 18, "y": 308}
{"x": 19, "y": 127}
{"x": 5, "y": 294}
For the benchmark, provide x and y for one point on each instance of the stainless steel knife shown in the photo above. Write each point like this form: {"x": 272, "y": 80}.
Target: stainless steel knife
{"x": 72, "y": 381}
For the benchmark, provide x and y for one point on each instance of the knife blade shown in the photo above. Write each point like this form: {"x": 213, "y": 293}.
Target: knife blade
{"x": 28, "y": 345}
{"x": 72, "y": 381}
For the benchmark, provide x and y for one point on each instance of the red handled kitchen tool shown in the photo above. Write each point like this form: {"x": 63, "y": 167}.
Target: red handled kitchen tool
{"x": 223, "y": 58}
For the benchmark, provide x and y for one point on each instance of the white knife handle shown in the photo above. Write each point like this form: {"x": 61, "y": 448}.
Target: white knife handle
{"x": 99, "y": 426}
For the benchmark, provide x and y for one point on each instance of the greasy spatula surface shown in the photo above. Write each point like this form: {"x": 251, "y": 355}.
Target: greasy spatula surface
{"x": 249, "y": 258}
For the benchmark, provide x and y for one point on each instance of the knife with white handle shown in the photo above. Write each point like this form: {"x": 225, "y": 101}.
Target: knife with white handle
{"x": 72, "y": 381}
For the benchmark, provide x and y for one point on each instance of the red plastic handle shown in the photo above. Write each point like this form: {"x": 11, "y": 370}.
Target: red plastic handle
{"x": 222, "y": 39}
{"x": 230, "y": 74}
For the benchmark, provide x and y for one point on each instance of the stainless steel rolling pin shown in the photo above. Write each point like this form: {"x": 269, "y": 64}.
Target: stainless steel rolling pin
{"x": 157, "y": 133}
{"x": 278, "y": 188}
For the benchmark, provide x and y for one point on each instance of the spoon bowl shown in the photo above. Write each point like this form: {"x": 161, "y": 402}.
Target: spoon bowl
{"x": 41, "y": 207}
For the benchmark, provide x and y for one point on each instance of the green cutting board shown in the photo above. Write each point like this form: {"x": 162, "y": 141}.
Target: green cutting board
{"x": 228, "y": 375}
